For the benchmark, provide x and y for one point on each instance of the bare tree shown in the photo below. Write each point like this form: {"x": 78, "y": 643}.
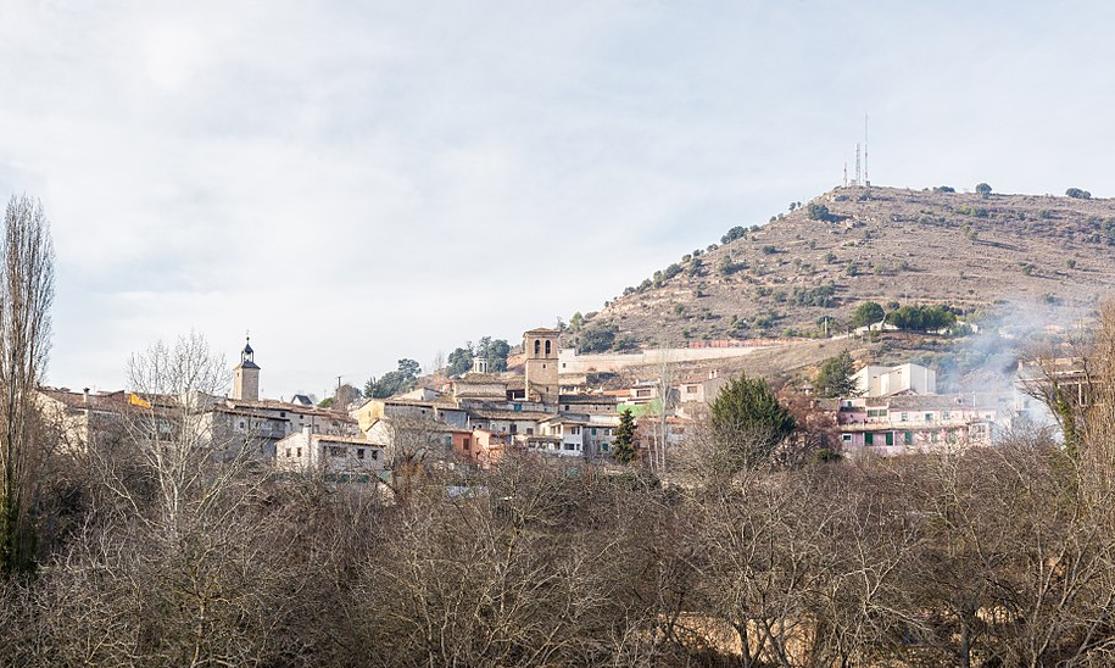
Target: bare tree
{"x": 26, "y": 295}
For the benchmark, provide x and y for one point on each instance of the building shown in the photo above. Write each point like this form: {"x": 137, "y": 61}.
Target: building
{"x": 245, "y": 376}
{"x": 332, "y": 455}
{"x": 441, "y": 410}
{"x": 883, "y": 381}
{"x": 908, "y": 423}
{"x": 540, "y": 348}
{"x": 481, "y": 447}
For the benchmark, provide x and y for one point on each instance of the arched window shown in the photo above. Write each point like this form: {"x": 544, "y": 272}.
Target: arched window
{"x": 547, "y": 348}
{"x": 537, "y": 346}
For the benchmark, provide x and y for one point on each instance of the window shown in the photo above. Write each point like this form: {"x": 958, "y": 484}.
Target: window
{"x": 467, "y": 444}
{"x": 928, "y": 417}
{"x": 603, "y": 447}
{"x": 569, "y": 446}
{"x": 869, "y": 439}
{"x": 360, "y": 453}
{"x": 575, "y": 431}
{"x": 514, "y": 428}
{"x": 594, "y": 431}
{"x": 945, "y": 415}
{"x": 299, "y": 452}
{"x": 288, "y": 452}
{"x": 905, "y": 417}
{"x": 336, "y": 451}
{"x": 890, "y": 438}
{"x": 241, "y": 425}
{"x": 642, "y": 393}
{"x": 282, "y": 413}
{"x": 375, "y": 454}
{"x": 908, "y": 438}
{"x": 537, "y": 346}
{"x": 530, "y": 431}
{"x": 847, "y": 438}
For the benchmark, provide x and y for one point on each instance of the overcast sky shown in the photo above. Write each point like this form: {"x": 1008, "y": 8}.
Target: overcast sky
{"x": 358, "y": 183}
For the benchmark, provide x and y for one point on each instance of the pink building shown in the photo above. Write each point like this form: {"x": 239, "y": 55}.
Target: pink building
{"x": 905, "y": 423}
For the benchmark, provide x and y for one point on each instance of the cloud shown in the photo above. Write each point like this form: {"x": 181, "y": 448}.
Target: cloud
{"x": 357, "y": 182}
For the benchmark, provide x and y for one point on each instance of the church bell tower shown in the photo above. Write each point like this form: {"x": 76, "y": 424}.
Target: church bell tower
{"x": 540, "y": 347}
{"x": 245, "y": 377}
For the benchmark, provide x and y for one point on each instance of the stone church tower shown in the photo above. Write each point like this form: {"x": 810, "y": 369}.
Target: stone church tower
{"x": 540, "y": 346}
{"x": 245, "y": 377}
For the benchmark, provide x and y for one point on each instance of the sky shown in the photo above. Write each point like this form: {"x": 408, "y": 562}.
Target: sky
{"x": 356, "y": 182}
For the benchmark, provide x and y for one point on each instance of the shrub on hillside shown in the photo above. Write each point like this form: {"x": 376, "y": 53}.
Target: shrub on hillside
{"x": 1077, "y": 193}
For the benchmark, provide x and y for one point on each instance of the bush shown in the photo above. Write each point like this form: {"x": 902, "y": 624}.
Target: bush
{"x": 1077, "y": 193}
{"x": 818, "y": 212}
{"x": 818, "y": 296}
{"x": 596, "y": 339}
{"x": 769, "y": 250}
{"x": 944, "y": 189}
{"x": 983, "y": 189}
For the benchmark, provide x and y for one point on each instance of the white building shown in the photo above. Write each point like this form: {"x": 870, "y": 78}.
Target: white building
{"x": 305, "y": 451}
{"x": 885, "y": 381}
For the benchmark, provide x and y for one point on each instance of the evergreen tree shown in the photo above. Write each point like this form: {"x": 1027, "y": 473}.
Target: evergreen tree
{"x": 623, "y": 448}
{"x": 867, "y": 313}
{"x": 835, "y": 377}
{"x": 748, "y": 423}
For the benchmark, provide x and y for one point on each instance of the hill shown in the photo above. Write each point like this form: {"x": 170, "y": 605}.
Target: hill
{"x": 851, "y": 245}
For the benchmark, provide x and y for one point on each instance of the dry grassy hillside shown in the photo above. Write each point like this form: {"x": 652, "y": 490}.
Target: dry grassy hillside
{"x": 880, "y": 244}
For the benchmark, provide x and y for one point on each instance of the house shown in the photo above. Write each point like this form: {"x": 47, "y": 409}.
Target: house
{"x": 569, "y": 429}
{"x": 903, "y": 423}
{"x": 331, "y": 454}
{"x": 882, "y": 381}
{"x": 481, "y": 447}
{"x": 441, "y": 410}
{"x": 507, "y": 421}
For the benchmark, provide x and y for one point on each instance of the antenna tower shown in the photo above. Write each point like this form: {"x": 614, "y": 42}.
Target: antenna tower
{"x": 859, "y": 171}
{"x": 866, "y": 178}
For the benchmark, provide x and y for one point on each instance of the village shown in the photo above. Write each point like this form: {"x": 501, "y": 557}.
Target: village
{"x": 552, "y": 403}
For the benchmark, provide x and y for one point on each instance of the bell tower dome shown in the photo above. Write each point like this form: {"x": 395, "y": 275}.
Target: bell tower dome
{"x": 245, "y": 377}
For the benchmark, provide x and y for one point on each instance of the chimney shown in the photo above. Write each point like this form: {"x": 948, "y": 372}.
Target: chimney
{"x": 85, "y": 395}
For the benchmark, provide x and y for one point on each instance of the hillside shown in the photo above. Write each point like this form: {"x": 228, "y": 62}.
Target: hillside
{"x": 880, "y": 244}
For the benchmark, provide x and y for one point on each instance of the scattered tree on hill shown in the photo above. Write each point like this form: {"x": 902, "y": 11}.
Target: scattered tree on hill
{"x": 748, "y": 423}
{"x": 944, "y": 189}
{"x": 596, "y": 339}
{"x": 818, "y": 211}
{"x": 460, "y": 361}
{"x": 867, "y": 313}
{"x": 393, "y": 382}
{"x": 922, "y": 318}
{"x": 494, "y": 352}
{"x": 577, "y": 321}
{"x": 1077, "y": 193}
{"x": 623, "y": 448}
{"x": 737, "y": 232}
{"x": 983, "y": 189}
{"x": 834, "y": 379}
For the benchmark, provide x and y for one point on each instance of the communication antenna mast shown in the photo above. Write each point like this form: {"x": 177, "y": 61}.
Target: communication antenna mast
{"x": 866, "y": 178}
{"x": 859, "y": 171}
